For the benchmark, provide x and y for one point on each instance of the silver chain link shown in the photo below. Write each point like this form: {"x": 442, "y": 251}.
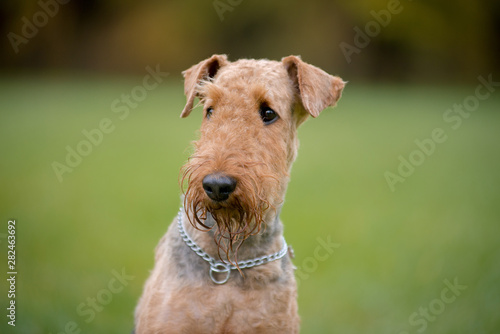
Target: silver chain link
{"x": 222, "y": 267}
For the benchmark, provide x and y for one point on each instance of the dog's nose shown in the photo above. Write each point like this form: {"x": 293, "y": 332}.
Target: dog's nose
{"x": 218, "y": 186}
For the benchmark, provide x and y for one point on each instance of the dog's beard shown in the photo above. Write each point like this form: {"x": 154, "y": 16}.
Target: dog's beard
{"x": 233, "y": 225}
{"x": 236, "y": 219}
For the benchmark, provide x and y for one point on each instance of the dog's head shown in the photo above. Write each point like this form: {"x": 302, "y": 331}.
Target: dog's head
{"x": 251, "y": 110}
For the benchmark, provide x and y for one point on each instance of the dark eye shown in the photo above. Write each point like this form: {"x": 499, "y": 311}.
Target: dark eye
{"x": 210, "y": 110}
{"x": 268, "y": 115}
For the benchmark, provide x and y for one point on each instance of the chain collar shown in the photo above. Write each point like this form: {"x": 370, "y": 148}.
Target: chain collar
{"x": 222, "y": 267}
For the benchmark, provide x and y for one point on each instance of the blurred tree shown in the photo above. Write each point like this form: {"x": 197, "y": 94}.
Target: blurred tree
{"x": 425, "y": 40}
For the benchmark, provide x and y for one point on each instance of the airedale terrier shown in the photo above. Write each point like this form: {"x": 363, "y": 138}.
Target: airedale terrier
{"x": 223, "y": 266}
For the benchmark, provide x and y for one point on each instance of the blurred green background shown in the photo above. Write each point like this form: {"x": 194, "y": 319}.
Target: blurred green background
{"x": 397, "y": 249}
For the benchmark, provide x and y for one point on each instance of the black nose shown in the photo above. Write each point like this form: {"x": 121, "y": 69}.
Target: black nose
{"x": 218, "y": 186}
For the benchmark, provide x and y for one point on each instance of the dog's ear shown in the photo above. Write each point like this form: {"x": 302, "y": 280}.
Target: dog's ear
{"x": 316, "y": 88}
{"x": 205, "y": 69}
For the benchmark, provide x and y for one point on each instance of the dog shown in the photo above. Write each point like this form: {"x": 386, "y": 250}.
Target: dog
{"x": 224, "y": 266}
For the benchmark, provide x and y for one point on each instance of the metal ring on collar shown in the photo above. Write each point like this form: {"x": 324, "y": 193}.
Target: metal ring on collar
{"x": 216, "y": 268}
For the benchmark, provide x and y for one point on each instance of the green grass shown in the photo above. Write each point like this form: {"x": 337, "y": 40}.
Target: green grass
{"x": 396, "y": 248}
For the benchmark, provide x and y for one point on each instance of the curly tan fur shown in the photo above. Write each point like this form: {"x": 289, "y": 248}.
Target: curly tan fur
{"x": 179, "y": 296}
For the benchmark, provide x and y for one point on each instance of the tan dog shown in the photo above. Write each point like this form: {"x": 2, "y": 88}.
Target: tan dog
{"x": 223, "y": 265}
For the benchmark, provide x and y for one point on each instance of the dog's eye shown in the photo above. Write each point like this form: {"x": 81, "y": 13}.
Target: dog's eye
{"x": 210, "y": 110}
{"x": 268, "y": 115}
